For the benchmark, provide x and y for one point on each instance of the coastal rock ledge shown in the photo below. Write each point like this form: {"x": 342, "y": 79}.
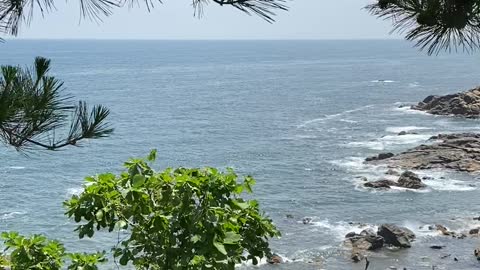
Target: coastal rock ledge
{"x": 459, "y": 152}
{"x": 465, "y": 104}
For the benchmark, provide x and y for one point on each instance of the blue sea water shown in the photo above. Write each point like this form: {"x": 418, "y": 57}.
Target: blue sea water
{"x": 300, "y": 116}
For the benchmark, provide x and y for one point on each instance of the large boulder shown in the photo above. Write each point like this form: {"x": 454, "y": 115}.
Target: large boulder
{"x": 380, "y": 184}
{"x": 466, "y": 104}
{"x": 380, "y": 156}
{"x": 460, "y": 152}
{"x": 366, "y": 240}
{"x": 396, "y": 236}
{"x": 409, "y": 179}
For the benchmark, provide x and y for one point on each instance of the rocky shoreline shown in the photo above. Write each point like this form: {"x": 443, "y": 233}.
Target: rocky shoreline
{"x": 459, "y": 152}
{"x": 456, "y": 152}
{"x": 464, "y": 104}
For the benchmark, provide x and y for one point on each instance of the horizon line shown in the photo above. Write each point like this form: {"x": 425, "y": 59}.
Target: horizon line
{"x": 200, "y": 39}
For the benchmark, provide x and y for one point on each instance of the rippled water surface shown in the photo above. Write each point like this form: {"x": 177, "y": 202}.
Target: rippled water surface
{"x": 300, "y": 116}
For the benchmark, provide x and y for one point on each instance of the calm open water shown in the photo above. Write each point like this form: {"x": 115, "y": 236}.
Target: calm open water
{"x": 300, "y": 116}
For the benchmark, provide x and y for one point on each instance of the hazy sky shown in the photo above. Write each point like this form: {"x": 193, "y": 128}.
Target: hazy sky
{"x": 306, "y": 19}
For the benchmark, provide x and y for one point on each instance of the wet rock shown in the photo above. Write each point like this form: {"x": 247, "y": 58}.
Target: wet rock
{"x": 380, "y": 156}
{"x": 357, "y": 256}
{"x": 436, "y": 247}
{"x": 392, "y": 172}
{"x": 402, "y": 133}
{"x": 441, "y": 228}
{"x": 474, "y": 231}
{"x": 307, "y": 220}
{"x": 409, "y": 179}
{"x": 350, "y": 235}
{"x": 289, "y": 216}
{"x": 476, "y": 218}
{"x": 380, "y": 184}
{"x": 465, "y": 104}
{"x": 476, "y": 252}
{"x": 275, "y": 259}
{"x": 458, "y": 235}
{"x": 368, "y": 232}
{"x": 367, "y": 242}
{"x": 396, "y": 236}
{"x": 459, "y": 152}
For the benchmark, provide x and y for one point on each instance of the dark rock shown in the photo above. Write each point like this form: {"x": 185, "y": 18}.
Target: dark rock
{"x": 442, "y": 229}
{"x": 366, "y": 240}
{"x": 396, "y": 236}
{"x": 350, "y": 235}
{"x": 437, "y": 247}
{"x": 474, "y": 231}
{"x": 380, "y": 156}
{"x": 476, "y": 218}
{"x": 409, "y": 179}
{"x": 392, "y": 172}
{"x": 466, "y": 104}
{"x": 357, "y": 257}
{"x": 380, "y": 184}
{"x": 459, "y": 152}
{"x": 290, "y": 216}
{"x": 307, "y": 220}
{"x": 458, "y": 235}
{"x": 275, "y": 259}
{"x": 476, "y": 252}
{"x": 402, "y": 133}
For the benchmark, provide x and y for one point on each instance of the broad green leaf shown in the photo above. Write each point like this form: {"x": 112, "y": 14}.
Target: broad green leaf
{"x": 153, "y": 155}
{"x": 220, "y": 247}
{"x": 232, "y": 238}
{"x": 138, "y": 181}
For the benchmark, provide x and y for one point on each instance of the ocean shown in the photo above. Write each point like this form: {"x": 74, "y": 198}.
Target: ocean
{"x": 300, "y": 116}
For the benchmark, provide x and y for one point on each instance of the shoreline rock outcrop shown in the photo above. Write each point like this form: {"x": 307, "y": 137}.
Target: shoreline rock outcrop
{"x": 459, "y": 152}
{"x": 407, "y": 179}
{"x": 465, "y": 104}
{"x": 369, "y": 240}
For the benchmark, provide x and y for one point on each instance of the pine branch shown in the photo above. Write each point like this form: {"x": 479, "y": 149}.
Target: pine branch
{"x": 15, "y": 12}
{"x": 434, "y": 25}
{"x": 32, "y": 109}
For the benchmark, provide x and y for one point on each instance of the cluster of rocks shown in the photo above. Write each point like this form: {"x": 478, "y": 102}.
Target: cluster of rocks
{"x": 460, "y": 152}
{"x": 407, "y": 179}
{"x": 465, "y": 104}
{"x": 386, "y": 235}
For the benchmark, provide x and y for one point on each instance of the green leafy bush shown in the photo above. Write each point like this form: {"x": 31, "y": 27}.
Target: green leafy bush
{"x": 175, "y": 219}
{"x": 39, "y": 253}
